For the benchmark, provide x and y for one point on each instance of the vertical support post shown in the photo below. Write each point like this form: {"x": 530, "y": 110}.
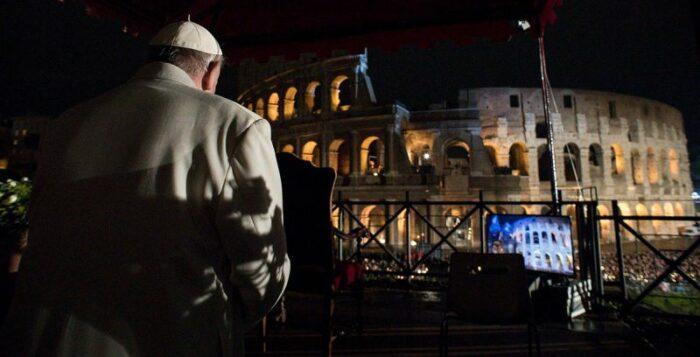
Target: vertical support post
{"x": 557, "y": 205}
{"x": 352, "y": 226}
{"x": 429, "y": 216}
{"x": 618, "y": 249}
{"x": 482, "y": 234}
{"x": 548, "y": 121}
{"x": 408, "y": 231}
{"x": 595, "y": 245}
{"x": 583, "y": 250}
{"x": 341, "y": 223}
{"x": 388, "y": 235}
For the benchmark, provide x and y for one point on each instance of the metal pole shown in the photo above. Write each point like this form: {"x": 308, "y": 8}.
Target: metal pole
{"x": 429, "y": 232}
{"x": 408, "y": 231}
{"x": 618, "y": 248}
{"x": 550, "y": 129}
{"x": 481, "y": 222}
{"x": 584, "y": 262}
{"x": 341, "y": 226}
{"x": 595, "y": 244}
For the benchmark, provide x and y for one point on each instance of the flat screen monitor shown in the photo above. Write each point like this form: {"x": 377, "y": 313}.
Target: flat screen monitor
{"x": 544, "y": 241}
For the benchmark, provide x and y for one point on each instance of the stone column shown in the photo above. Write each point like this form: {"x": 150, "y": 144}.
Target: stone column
{"x": 354, "y": 155}
{"x": 585, "y": 167}
{"x": 502, "y": 156}
{"x": 297, "y": 147}
{"x": 324, "y": 149}
{"x": 643, "y": 156}
{"x": 581, "y": 125}
{"x": 532, "y": 159}
{"x": 390, "y": 160}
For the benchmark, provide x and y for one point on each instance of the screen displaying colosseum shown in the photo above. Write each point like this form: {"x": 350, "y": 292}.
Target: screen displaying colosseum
{"x": 492, "y": 144}
{"x": 543, "y": 241}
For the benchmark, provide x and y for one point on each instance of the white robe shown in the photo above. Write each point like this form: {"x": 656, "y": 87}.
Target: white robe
{"x": 155, "y": 226}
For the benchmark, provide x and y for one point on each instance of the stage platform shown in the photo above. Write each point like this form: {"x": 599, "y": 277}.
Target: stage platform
{"x": 402, "y": 323}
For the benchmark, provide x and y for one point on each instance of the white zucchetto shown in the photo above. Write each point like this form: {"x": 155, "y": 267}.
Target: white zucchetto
{"x": 187, "y": 34}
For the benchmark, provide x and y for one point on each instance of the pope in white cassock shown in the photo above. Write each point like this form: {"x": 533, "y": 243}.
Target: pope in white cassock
{"x": 156, "y": 224}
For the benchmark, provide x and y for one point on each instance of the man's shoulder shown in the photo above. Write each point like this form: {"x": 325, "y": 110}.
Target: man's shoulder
{"x": 229, "y": 110}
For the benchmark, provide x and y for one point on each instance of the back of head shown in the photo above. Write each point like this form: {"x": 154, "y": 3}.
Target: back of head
{"x": 187, "y": 45}
{"x": 194, "y": 62}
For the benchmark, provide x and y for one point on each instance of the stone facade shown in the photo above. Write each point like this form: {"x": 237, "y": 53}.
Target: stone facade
{"x": 608, "y": 145}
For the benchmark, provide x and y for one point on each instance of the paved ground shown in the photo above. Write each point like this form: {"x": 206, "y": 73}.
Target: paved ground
{"x": 397, "y": 323}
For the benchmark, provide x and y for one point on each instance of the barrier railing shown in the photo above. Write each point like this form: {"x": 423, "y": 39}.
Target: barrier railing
{"x": 408, "y": 242}
{"x": 671, "y": 265}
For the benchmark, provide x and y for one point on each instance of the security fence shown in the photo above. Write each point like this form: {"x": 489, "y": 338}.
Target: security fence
{"x": 411, "y": 241}
{"x": 664, "y": 279}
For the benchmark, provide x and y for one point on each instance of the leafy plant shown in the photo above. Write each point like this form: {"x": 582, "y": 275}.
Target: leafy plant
{"x": 14, "y": 204}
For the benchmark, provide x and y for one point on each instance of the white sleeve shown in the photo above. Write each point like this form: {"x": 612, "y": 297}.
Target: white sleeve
{"x": 250, "y": 223}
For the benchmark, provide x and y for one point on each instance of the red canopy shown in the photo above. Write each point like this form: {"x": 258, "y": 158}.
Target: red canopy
{"x": 262, "y": 28}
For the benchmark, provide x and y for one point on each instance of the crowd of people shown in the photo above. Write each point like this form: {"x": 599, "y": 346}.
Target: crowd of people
{"x": 644, "y": 267}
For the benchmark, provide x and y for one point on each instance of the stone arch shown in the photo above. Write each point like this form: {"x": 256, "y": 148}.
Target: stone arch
{"x": 500, "y": 210}
{"x": 313, "y": 104}
{"x": 341, "y": 93}
{"x": 617, "y": 160}
{"x": 373, "y": 218}
{"x": 637, "y": 168}
{"x": 273, "y": 106}
{"x": 260, "y": 107}
{"x": 626, "y": 211}
{"x": 544, "y": 163}
{"x": 290, "y": 103}
{"x": 678, "y": 208}
{"x": 643, "y": 225}
{"x": 453, "y": 219}
{"x": 311, "y": 153}
{"x": 668, "y": 209}
{"x": 595, "y": 161}
{"x": 652, "y": 167}
{"x": 457, "y": 157}
{"x": 570, "y": 210}
{"x": 492, "y": 154}
{"x": 674, "y": 168}
{"x": 663, "y": 163}
{"x": 656, "y": 210}
{"x": 518, "y": 159}
{"x": 572, "y": 163}
{"x": 289, "y": 148}
{"x": 604, "y": 224}
{"x": 339, "y": 156}
{"x": 372, "y": 156}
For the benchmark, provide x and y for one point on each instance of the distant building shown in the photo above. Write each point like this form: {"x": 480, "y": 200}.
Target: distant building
{"x": 610, "y": 146}
{"x": 24, "y": 148}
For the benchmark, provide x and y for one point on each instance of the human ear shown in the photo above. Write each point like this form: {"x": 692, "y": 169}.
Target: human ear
{"x": 211, "y": 77}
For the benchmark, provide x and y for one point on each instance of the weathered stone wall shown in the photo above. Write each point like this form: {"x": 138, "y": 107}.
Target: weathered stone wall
{"x": 629, "y": 149}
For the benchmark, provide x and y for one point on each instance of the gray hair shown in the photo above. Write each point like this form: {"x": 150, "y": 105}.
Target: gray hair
{"x": 194, "y": 62}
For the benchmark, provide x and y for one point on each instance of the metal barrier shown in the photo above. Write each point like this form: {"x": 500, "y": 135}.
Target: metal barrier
{"x": 671, "y": 265}
{"x": 405, "y": 264}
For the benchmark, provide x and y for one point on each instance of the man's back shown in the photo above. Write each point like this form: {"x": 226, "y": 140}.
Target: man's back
{"x": 136, "y": 215}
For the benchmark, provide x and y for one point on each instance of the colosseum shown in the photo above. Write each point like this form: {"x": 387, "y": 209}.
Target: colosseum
{"x": 609, "y": 146}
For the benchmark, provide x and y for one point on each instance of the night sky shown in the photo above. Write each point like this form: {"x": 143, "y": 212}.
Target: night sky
{"x": 52, "y": 56}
